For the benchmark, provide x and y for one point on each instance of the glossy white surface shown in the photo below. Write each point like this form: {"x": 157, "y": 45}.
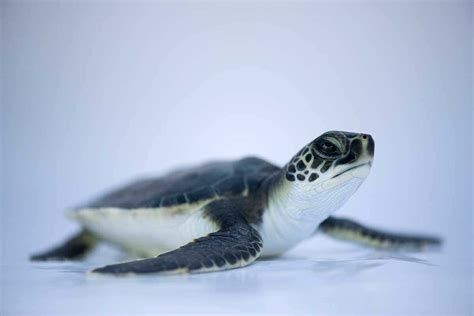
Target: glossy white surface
{"x": 321, "y": 277}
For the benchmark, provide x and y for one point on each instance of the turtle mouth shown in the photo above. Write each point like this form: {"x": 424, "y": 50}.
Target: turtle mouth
{"x": 352, "y": 168}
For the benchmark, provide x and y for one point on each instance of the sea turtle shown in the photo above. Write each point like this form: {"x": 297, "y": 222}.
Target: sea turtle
{"x": 226, "y": 214}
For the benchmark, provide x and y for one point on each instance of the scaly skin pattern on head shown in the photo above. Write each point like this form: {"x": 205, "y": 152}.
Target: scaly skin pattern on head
{"x": 329, "y": 151}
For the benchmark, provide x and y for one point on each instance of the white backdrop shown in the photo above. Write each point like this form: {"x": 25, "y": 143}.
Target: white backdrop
{"x": 96, "y": 93}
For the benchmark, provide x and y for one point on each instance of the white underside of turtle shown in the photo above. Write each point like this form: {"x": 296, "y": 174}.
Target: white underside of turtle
{"x": 145, "y": 232}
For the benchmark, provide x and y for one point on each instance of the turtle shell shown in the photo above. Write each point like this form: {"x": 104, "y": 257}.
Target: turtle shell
{"x": 211, "y": 180}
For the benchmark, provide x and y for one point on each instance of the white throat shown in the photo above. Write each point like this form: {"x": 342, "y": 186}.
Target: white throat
{"x": 295, "y": 211}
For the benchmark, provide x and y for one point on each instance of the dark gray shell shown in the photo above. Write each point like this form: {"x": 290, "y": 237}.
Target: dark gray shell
{"x": 191, "y": 185}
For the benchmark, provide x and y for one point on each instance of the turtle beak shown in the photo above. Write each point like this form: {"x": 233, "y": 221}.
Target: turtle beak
{"x": 364, "y": 147}
{"x": 370, "y": 145}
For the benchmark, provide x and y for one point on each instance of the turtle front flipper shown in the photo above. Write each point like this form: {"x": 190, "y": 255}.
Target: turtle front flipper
{"x": 349, "y": 230}
{"x": 229, "y": 248}
{"x": 235, "y": 245}
{"x": 75, "y": 247}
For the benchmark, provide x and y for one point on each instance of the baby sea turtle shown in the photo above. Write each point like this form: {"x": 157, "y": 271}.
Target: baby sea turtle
{"x": 224, "y": 215}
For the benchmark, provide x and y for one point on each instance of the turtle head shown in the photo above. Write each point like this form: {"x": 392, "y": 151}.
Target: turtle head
{"x": 331, "y": 160}
{"x": 323, "y": 175}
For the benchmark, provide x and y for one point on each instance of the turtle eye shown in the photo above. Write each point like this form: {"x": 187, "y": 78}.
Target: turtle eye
{"x": 327, "y": 148}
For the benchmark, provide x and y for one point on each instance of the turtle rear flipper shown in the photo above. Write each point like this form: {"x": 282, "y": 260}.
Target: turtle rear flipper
{"x": 74, "y": 248}
{"x": 349, "y": 230}
{"x": 236, "y": 244}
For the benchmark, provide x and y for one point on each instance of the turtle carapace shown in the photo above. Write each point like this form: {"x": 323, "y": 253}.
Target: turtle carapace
{"x": 224, "y": 215}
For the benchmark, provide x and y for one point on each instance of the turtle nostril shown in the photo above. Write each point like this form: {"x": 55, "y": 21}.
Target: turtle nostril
{"x": 364, "y": 136}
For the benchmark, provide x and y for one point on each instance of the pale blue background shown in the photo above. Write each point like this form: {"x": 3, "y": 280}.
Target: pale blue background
{"x": 96, "y": 93}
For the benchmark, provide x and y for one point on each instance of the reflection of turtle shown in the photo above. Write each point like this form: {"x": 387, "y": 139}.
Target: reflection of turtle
{"x": 225, "y": 215}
